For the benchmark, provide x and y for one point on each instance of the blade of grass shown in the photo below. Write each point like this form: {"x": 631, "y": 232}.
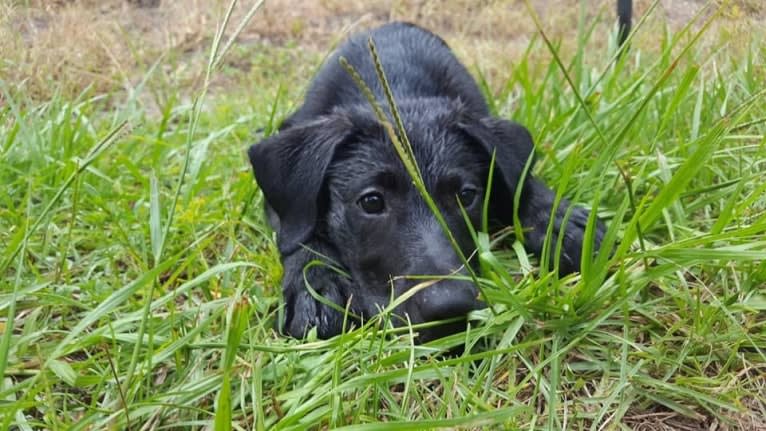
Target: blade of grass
{"x": 104, "y": 144}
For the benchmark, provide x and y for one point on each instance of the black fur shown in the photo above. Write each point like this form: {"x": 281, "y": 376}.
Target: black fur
{"x": 332, "y": 152}
{"x": 624, "y": 20}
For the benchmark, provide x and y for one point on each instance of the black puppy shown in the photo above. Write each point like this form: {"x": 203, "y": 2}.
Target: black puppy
{"x": 335, "y": 187}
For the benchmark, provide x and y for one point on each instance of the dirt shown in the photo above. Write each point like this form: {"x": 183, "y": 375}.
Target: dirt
{"x": 110, "y": 44}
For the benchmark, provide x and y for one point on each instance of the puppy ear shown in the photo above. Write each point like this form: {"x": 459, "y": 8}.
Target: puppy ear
{"x": 513, "y": 146}
{"x": 510, "y": 142}
{"x": 290, "y": 168}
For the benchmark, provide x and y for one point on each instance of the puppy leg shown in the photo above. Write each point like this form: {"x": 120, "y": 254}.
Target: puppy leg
{"x": 624, "y": 17}
{"x": 534, "y": 214}
{"x": 302, "y": 310}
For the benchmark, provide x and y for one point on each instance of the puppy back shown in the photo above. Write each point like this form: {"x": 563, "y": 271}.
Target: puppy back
{"x": 417, "y": 64}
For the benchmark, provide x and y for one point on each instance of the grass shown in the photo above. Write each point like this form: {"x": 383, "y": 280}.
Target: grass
{"x": 139, "y": 284}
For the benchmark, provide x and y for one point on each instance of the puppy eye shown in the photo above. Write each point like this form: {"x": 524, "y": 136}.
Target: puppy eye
{"x": 372, "y": 203}
{"x": 467, "y": 195}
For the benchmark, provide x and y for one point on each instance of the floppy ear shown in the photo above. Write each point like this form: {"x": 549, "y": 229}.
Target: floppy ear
{"x": 290, "y": 169}
{"x": 513, "y": 146}
{"x": 511, "y": 143}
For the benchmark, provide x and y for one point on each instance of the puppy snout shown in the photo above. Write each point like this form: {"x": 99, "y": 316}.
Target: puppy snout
{"x": 447, "y": 299}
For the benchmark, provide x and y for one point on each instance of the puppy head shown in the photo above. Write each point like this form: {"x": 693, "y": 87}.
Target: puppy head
{"x": 339, "y": 181}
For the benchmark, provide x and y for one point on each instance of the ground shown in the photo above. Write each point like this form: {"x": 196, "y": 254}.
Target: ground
{"x": 111, "y": 44}
{"x": 139, "y": 285}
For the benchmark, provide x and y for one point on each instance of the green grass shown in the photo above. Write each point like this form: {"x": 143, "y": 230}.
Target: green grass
{"x": 139, "y": 284}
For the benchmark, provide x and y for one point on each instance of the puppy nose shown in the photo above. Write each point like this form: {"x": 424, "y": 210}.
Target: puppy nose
{"x": 448, "y": 299}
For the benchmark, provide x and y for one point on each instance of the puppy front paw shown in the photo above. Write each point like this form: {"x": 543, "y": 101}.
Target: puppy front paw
{"x": 302, "y": 310}
{"x": 574, "y": 237}
{"x": 535, "y": 213}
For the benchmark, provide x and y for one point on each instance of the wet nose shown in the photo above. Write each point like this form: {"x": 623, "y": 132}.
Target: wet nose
{"x": 447, "y": 299}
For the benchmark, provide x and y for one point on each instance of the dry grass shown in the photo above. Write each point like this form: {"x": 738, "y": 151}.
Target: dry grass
{"x": 68, "y": 46}
{"x": 109, "y": 45}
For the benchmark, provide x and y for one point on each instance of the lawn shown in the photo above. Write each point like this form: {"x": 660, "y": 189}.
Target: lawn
{"x": 139, "y": 281}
